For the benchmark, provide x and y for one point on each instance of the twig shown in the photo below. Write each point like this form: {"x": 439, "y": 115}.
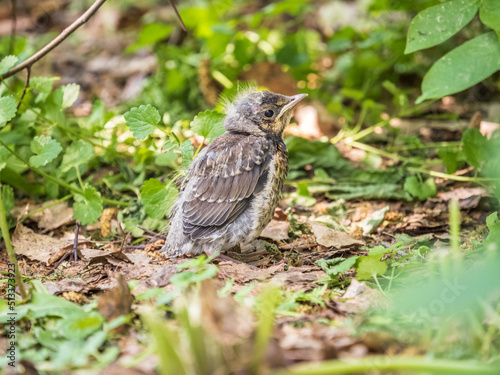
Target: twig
{"x": 26, "y": 85}
{"x": 152, "y": 233}
{"x": 74, "y": 250}
{"x": 13, "y": 29}
{"x": 55, "y": 42}
{"x": 177, "y": 14}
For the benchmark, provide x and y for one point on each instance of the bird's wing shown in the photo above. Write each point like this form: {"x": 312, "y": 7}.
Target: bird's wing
{"x": 222, "y": 182}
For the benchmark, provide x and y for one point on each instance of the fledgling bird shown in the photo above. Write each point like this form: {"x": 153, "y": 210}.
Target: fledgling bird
{"x": 233, "y": 186}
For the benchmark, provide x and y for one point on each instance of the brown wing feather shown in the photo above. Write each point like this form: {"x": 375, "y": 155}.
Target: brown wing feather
{"x": 222, "y": 182}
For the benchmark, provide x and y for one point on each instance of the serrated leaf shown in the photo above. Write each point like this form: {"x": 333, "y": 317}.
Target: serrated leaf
{"x": 342, "y": 266}
{"x": 421, "y": 190}
{"x": 493, "y": 224}
{"x": 88, "y": 207}
{"x": 8, "y": 109}
{"x": 78, "y": 153}
{"x": 370, "y": 266}
{"x": 187, "y": 152}
{"x": 474, "y": 147}
{"x": 4, "y": 155}
{"x": 157, "y": 198}
{"x": 463, "y": 67}
{"x": 7, "y": 63}
{"x": 142, "y": 120}
{"x": 46, "y": 150}
{"x": 208, "y": 124}
{"x": 65, "y": 96}
{"x": 436, "y": 24}
{"x": 43, "y": 84}
{"x": 489, "y": 13}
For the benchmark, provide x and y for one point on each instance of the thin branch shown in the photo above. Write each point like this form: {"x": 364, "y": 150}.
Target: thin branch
{"x": 54, "y": 43}
{"x": 171, "y": 2}
{"x": 26, "y": 85}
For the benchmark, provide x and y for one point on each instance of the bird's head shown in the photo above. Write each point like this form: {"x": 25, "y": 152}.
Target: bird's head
{"x": 261, "y": 113}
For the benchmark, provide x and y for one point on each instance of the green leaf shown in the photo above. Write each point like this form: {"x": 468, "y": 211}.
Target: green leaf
{"x": 4, "y": 155}
{"x": 88, "y": 207}
{"x": 7, "y": 198}
{"x": 436, "y": 24}
{"x": 65, "y": 96}
{"x": 451, "y": 158}
{"x": 46, "y": 150}
{"x": 7, "y": 63}
{"x": 187, "y": 152}
{"x": 489, "y": 13}
{"x": 45, "y": 305}
{"x": 43, "y": 84}
{"x": 493, "y": 223}
{"x": 462, "y": 67}
{"x": 150, "y": 34}
{"x": 370, "y": 266}
{"x": 8, "y": 109}
{"x": 142, "y": 120}
{"x": 157, "y": 198}
{"x": 208, "y": 124}
{"x": 341, "y": 265}
{"x": 80, "y": 152}
{"x": 419, "y": 189}
{"x": 318, "y": 154}
{"x": 475, "y": 147}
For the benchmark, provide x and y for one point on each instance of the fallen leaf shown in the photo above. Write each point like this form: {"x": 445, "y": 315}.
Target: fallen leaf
{"x": 116, "y": 302}
{"x": 106, "y": 216}
{"x": 56, "y": 256}
{"x": 276, "y": 230}
{"x": 333, "y": 238}
{"x": 36, "y": 246}
{"x": 359, "y": 298}
{"x": 243, "y": 273}
{"x": 115, "y": 259}
{"x": 373, "y": 221}
{"x": 467, "y": 197}
{"x": 66, "y": 285}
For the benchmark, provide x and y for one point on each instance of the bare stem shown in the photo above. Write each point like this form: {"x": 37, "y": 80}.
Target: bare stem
{"x": 55, "y": 42}
{"x": 171, "y": 2}
{"x": 26, "y": 85}
{"x": 10, "y": 251}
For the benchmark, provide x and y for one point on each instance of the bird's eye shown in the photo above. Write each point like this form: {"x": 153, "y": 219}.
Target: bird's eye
{"x": 269, "y": 113}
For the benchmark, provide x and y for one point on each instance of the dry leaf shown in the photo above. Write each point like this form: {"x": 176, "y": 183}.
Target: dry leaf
{"x": 276, "y": 230}
{"x": 66, "y": 285}
{"x": 106, "y": 216}
{"x": 116, "y": 302}
{"x": 36, "y": 246}
{"x": 332, "y": 238}
{"x": 243, "y": 273}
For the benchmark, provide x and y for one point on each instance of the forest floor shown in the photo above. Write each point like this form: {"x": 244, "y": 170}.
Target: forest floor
{"x": 334, "y": 249}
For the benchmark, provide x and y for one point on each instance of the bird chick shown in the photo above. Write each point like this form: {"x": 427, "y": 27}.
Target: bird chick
{"x": 233, "y": 186}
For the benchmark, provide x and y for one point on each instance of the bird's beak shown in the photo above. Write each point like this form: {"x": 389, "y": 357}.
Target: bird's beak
{"x": 294, "y": 100}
